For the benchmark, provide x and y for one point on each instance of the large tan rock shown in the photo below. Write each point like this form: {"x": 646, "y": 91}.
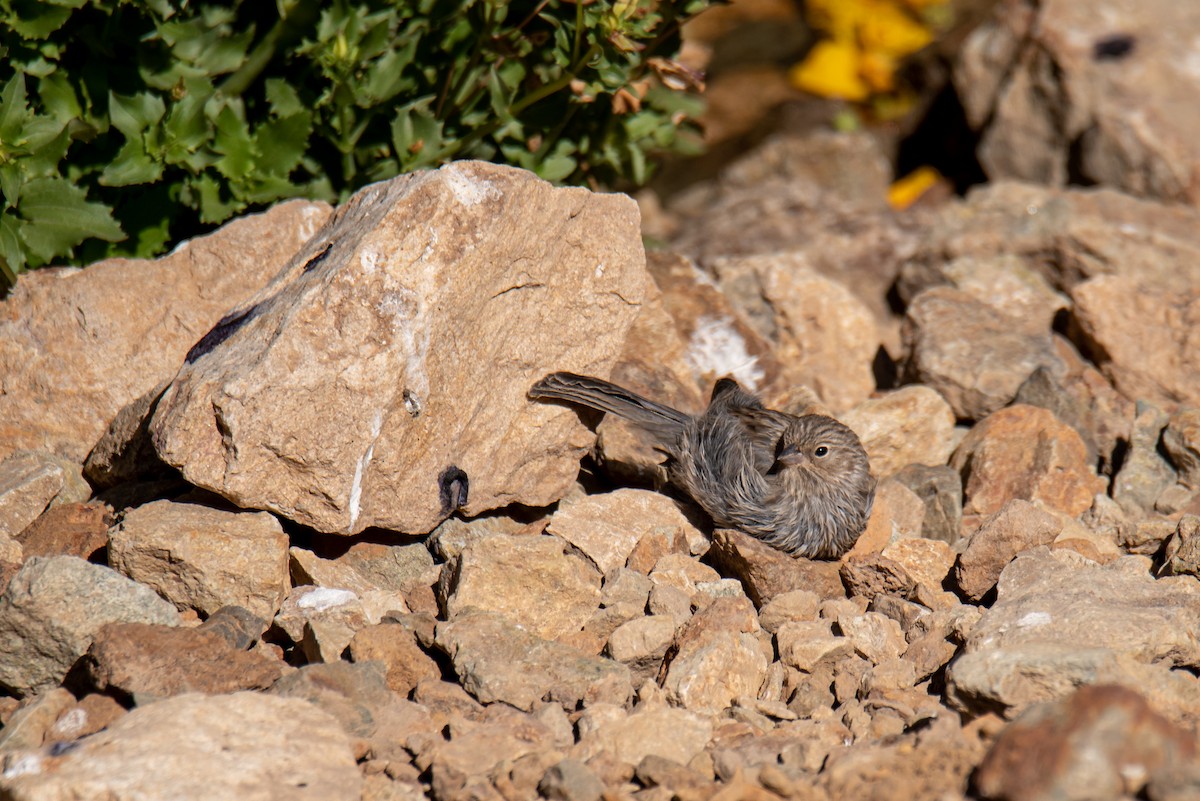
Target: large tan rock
{"x": 824, "y": 335}
{"x": 606, "y": 528}
{"x": 53, "y": 608}
{"x": 203, "y": 558}
{"x": 76, "y": 346}
{"x": 1067, "y": 92}
{"x": 381, "y": 379}
{"x": 910, "y": 425}
{"x": 531, "y": 580}
{"x": 1025, "y": 452}
{"x": 975, "y": 355}
{"x": 1099, "y": 742}
{"x": 1145, "y": 337}
{"x": 223, "y": 747}
{"x": 1061, "y": 620}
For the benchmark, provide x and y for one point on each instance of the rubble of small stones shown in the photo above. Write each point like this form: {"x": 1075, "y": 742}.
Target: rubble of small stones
{"x": 317, "y": 542}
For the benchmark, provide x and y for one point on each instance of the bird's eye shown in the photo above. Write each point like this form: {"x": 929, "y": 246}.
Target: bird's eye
{"x": 821, "y": 451}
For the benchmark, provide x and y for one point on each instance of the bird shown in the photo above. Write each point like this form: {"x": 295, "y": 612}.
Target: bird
{"x": 801, "y": 484}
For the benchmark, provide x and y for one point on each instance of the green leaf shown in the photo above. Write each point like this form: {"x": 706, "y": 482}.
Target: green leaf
{"x": 284, "y": 100}
{"x": 37, "y": 20}
{"x": 282, "y": 142}
{"x": 57, "y": 217}
{"x": 11, "y": 252}
{"x": 58, "y": 97}
{"x": 417, "y": 135}
{"x": 556, "y": 168}
{"x": 186, "y": 129}
{"x": 133, "y": 165}
{"x": 212, "y": 208}
{"x": 386, "y": 77}
{"x": 47, "y": 143}
{"x": 13, "y": 111}
{"x": 134, "y": 114}
{"x": 10, "y": 183}
{"x": 234, "y": 143}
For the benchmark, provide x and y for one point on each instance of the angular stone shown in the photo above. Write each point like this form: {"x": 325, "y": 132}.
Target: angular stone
{"x": 872, "y": 575}
{"x": 766, "y": 572}
{"x": 150, "y": 662}
{"x": 497, "y": 661}
{"x": 625, "y": 586}
{"x": 1053, "y": 107}
{"x": 340, "y": 396}
{"x": 1144, "y": 472}
{"x": 1018, "y": 526}
{"x": 1025, "y": 452}
{"x": 125, "y": 452}
{"x": 1144, "y": 337}
{"x": 1181, "y": 556}
{"x": 928, "y": 562}
{"x": 941, "y": 490}
{"x": 359, "y": 699}
{"x": 570, "y": 780}
{"x": 1182, "y": 442}
{"x": 606, "y": 528}
{"x": 30, "y": 725}
{"x": 806, "y": 644}
{"x": 203, "y": 558}
{"x": 875, "y": 637}
{"x": 819, "y": 194}
{"x": 478, "y": 757}
{"x": 1008, "y": 283}
{"x": 68, "y": 375}
{"x": 656, "y": 544}
{"x": 29, "y": 482}
{"x": 69, "y": 529}
{"x": 305, "y": 567}
{"x": 652, "y": 729}
{"x": 53, "y": 608}
{"x": 825, "y": 337}
{"x": 935, "y": 762}
{"x": 397, "y": 647}
{"x": 671, "y": 602}
{"x": 1069, "y": 235}
{"x": 322, "y": 621}
{"x": 898, "y": 513}
{"x": 93, "y": 713}
{"x": 906, "y": 426}
{"x": 717, "y": 657}
{"x": 682, "y": 572}
{"x": 790, "y": 607}
{"x": 1060, "y": 621}
{"x": 641, "y": 645}
{"x": 531, "y": 580}
{"x": 450, "y": 538}
{"x": 975, "y": 356}
{"x": 222, "y": 747}
{"x": 1103, "y": 741}
{"x": 1085, "y": 400}
{"x": 389, "y": 567}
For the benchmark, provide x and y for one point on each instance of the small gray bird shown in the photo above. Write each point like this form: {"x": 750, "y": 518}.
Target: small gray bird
{"x": 799, "y": 484}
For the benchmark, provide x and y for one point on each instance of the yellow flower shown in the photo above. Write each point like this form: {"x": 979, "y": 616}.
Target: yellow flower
{"x": 831, "y": 70}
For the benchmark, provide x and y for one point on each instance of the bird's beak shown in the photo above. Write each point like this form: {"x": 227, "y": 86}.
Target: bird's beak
{"x": 791, "y": 456}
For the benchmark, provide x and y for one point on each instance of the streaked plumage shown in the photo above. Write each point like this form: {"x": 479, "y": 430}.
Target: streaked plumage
{"x": 799, "y": 484}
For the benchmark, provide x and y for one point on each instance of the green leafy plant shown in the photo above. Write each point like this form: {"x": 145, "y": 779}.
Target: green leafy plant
{"x": 127, "y": 125}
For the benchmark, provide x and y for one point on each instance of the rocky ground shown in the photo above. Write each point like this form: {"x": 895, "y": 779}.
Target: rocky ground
{"x": 277, "y": 519}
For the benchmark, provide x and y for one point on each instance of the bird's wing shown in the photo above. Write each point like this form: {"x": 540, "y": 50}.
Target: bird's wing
{"x": 762, "y": 426}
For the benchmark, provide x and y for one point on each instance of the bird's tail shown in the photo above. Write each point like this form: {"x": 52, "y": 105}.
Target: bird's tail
{"x": 604, "y": 396}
